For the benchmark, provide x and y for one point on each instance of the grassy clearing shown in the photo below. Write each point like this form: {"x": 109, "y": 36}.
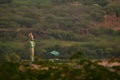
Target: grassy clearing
{"x": 99, "y": 41}
{"x": 51, "y": 42}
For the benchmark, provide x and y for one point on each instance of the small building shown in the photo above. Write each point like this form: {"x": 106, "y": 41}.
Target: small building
{"x": 53, "y": 54}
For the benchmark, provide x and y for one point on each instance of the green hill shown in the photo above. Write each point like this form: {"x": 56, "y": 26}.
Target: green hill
{"x": 71, "y": 25}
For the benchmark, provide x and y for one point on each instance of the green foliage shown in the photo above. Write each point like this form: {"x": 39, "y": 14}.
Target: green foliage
{"x": 113, "y": 9}
{"x": 12, "y": 57}
{"x": 76, "y": 70}
{"x": 58, "y": 25}
{"x": 100, "y": 2}
{"x": 102, "y": 31}
{"x": 77, "y": 55}
{"x": 30, "y": 13}
{"x": 5, "y": 1}
{"x": 10, "y": 71}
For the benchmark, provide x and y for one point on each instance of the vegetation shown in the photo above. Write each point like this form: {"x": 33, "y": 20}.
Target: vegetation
{"x": 64, "y": 25}
{"x": 46, "y": 70}
{"x": 5, "y": 1}
{"x": 79, "y": 29}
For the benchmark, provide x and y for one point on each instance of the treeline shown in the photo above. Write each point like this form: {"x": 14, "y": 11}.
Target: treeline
{"x": 75, "y": 35}
{"x": 17, "y": 51}
{"x": 46, "y": 70}
{"x": 5, "y": 1}
{"x": 36, "y": 14}
{"x": 86, "y": 2}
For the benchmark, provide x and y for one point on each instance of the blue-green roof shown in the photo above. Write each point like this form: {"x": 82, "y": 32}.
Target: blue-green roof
{"x": 56, "y": 53}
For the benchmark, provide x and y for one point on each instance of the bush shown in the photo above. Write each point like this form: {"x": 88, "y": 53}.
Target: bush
{"x": 113, "y": 9}
{"x": 5, "y": 1}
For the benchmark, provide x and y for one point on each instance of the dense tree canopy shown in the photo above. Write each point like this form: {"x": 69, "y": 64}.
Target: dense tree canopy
{"x": 5, "y": 1}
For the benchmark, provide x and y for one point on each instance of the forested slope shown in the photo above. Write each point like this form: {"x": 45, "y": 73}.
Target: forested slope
{"x": 68, "y": 26}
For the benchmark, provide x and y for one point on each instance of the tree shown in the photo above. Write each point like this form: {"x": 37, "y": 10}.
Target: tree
{"x": 102, "y": 2}
{"x": 100, "y": 52}
{"x": 113, "y": 9}
{"x": 77, "y": 55}
{"x": 11, "y": 57}
{"x": 5, "y": 1}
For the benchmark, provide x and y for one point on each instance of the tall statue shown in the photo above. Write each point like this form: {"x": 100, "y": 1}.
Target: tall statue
{"x": 31, "y": 46}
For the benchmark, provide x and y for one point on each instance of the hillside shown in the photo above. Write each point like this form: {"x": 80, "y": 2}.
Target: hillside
{"x": 75, "y": 39}
{"x": 68, "y": 26}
